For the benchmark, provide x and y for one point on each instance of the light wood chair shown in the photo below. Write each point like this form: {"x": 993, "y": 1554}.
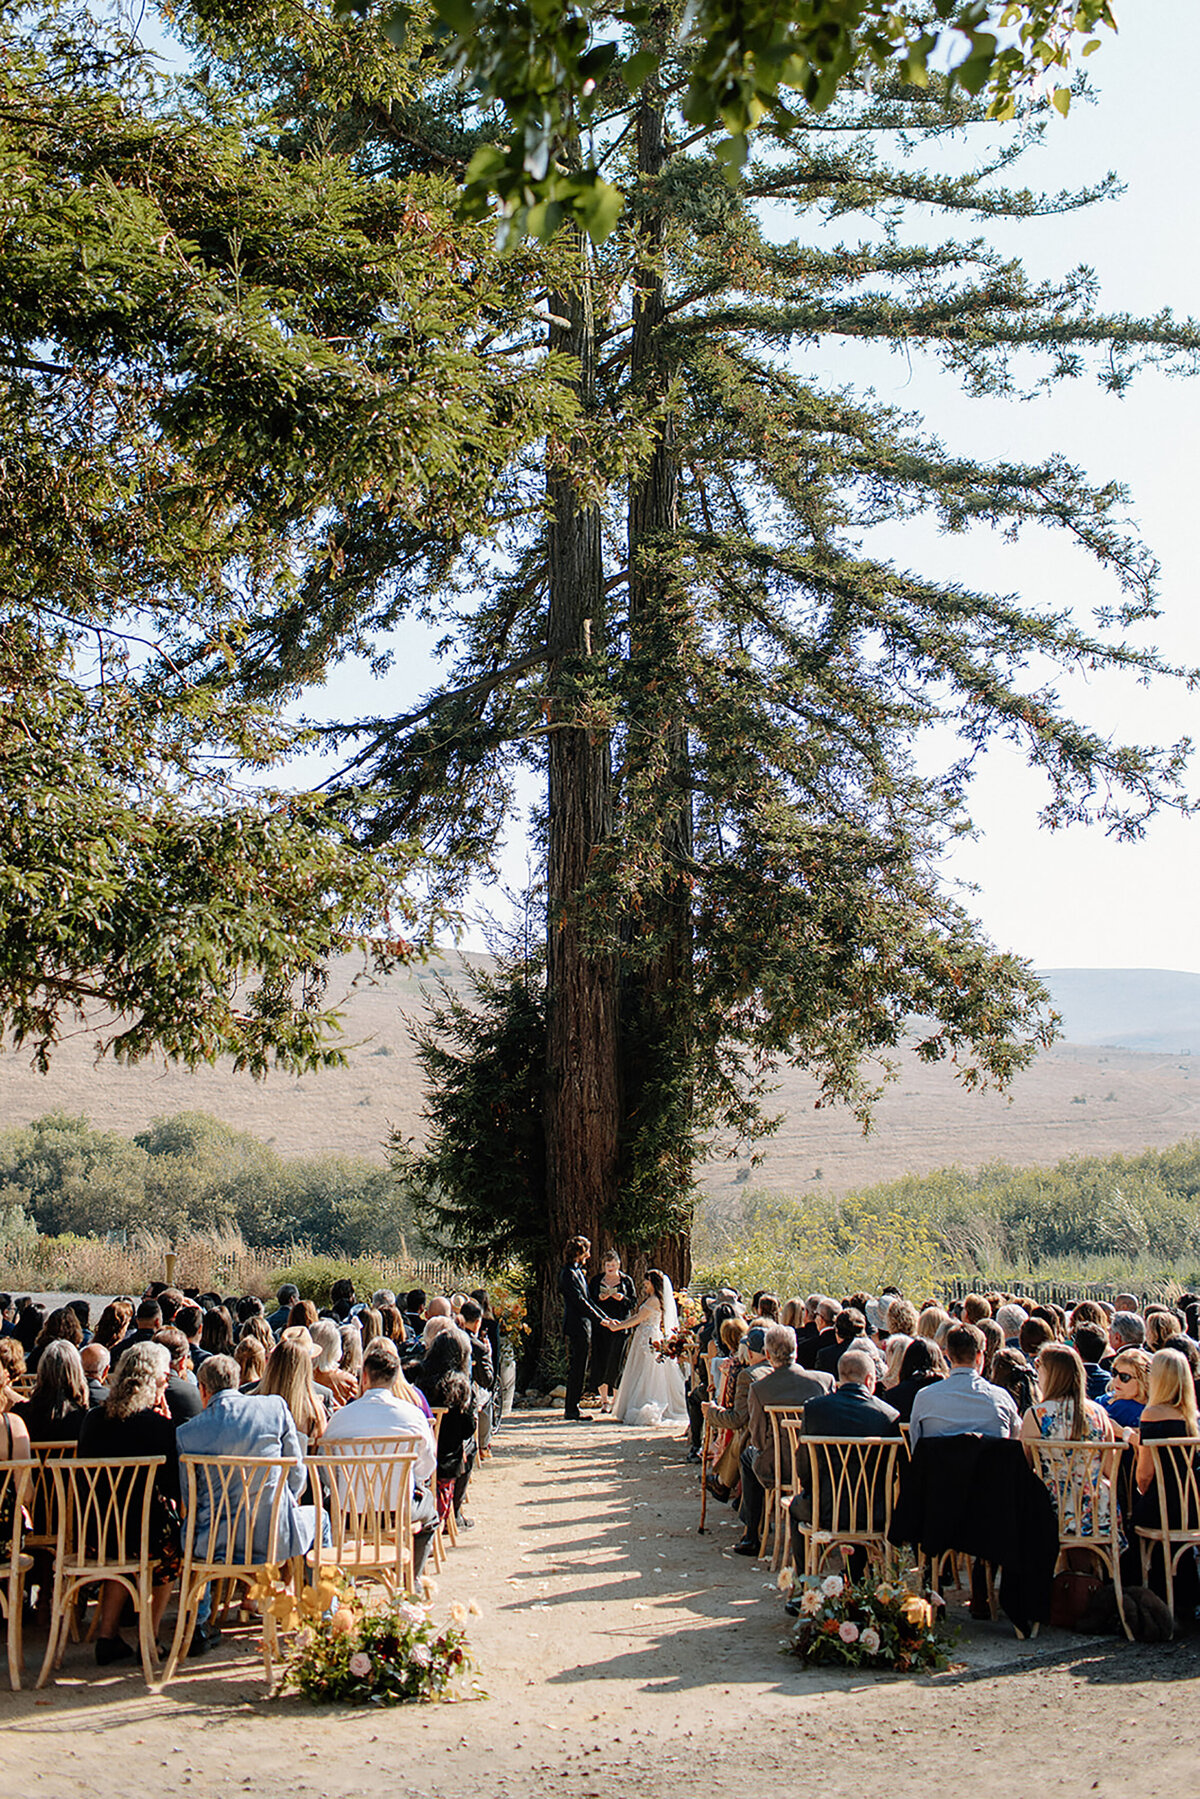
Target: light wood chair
{"x": 232, "y": 1508}
{"x": 851, "y": 1483}
{"x": 774, "y": 1518}
{"x": 367, "y": 1497}
{"x": 1177, "y": 1483}
{"x": 447, "y": 1526}
{"x": 15, "y": 1563}
{"x": 23, "y": 1384}
{"x": 102, "y": 1511}
{"x": 1079, "y": 1476}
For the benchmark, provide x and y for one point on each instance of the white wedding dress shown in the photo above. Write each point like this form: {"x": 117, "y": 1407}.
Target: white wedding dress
{"x": 650, "y": 1391}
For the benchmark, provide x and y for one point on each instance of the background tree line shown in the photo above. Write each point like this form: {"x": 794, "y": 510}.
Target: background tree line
{"x": 191, "y": 1173}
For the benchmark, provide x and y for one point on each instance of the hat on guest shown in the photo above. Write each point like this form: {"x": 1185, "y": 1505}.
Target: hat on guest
{"x": 756, "y": 1339}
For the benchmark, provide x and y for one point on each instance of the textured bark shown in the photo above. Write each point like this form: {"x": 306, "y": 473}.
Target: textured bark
{"x": 656, "y": 997}
{"x": 582, "y": 1111}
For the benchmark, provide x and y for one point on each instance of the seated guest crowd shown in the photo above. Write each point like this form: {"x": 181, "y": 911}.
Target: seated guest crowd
{"x": 988, "y": 1366}
{"x": 191, "y": 1374}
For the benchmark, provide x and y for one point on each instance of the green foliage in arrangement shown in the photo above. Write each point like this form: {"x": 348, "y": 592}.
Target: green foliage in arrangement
{"x": 191, "y": 1172}
{"x": 1116, "y": 1218}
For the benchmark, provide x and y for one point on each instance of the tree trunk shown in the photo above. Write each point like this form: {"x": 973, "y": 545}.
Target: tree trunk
{"x": 656, "y": 993}
{"x": 582, "y": 1111}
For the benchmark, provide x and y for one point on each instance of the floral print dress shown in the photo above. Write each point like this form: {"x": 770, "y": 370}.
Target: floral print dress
{"x": 1081, "y": 1507}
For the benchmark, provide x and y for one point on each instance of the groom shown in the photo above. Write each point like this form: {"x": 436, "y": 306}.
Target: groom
{"x": 579, "y": 1314}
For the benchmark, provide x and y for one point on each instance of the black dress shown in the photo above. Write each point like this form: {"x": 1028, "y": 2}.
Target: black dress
{"x": 124, "y": 1439}
{"x": 609, "y": 1346}
{"x": 1146, "y": 1511}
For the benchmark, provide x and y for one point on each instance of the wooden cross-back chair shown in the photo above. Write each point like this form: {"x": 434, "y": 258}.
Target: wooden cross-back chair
{"x": 102, "y": 1511}
{"x": 365, "y": 1491}
{"x": 774, "y": 1518}
{"x": 851, "y": 1483}
{"x": 232, "y": 1533}
{"x": 1177, "y": 1483}
{"x": 15, "y": 1562}
{"x": 1081, "y": 1480}
{"x": 43, "y": 1528}
{"x": 447, "y": 1526}
{"x": 23, "y": 1384}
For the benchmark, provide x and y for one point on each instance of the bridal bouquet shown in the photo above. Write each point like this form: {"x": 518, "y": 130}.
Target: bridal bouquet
{"x": 680, "y": 1346}
{"x": 382, "y": 1656}
{"x": 874, "y": 1624}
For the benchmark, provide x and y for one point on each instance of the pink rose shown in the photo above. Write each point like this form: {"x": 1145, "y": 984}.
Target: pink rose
{"x": 360, "y": 1665}
{"x": 848, "y": 1632}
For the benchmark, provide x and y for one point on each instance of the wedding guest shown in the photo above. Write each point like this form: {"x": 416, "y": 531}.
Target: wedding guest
{"x": 132, "y": 1423}
{"x": 445, "y": 1380}
{"x": 95, "y": 1361}
{"x": 216, "y": 1333}
{"x": 288, "y": 1375}
{"x": 183, "y": 1395}
{"x": 287, "y": 1296}
{"x": 788, "y": 1384}
{"x": 922, "y": 1365}
{"x": 379, "y": 1412}
{"x": 1129, "y": 1393}
{"x": 56, "y": 1409}
{"x": 62, "y": 1326}
{"x": 963, "y": 1403}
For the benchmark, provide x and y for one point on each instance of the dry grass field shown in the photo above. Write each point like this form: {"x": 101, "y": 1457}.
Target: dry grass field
{"x": 1074, "y": 1101}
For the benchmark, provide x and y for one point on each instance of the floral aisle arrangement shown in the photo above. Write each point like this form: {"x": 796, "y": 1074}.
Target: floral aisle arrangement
{"x": 871, "y": 1624}
{"x": 385, "y": 1655}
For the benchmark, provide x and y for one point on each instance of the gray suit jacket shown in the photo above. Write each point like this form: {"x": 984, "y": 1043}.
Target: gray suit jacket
{"x": 793, "y": 1386}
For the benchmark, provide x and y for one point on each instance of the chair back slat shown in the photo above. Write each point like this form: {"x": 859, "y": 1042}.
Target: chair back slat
{"x": 233, "y": 1506}
{"x": 43, "y": 1528}
{"x": 15, "y": 1481}
{"x": 103, "y": 1510}
{"x": 1079, "y": 1476}
{"x": 1177, "y": 1481}
{"x": 366, "y": 1495}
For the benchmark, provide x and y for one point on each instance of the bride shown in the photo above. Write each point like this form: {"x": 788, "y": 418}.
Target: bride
{"x": 651, "y": 1392}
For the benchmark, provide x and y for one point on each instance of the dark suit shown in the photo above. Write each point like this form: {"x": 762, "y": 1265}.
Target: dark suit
{"x": 579, "y": 1315}
{"x": 849, "y": 1411}
{"x": 808, "y": 1351}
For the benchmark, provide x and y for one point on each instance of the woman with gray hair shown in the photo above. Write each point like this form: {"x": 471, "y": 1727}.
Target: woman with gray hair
{"x": 135, "y": 1421}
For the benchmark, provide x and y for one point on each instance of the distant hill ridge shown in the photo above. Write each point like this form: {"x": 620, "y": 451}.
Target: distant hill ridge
{"x": 1123, "y": 1080}
{"x": 1150, "y": 1009}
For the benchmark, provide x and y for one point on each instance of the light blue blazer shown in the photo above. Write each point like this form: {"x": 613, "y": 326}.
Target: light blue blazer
{"x": 250, "y": 1424}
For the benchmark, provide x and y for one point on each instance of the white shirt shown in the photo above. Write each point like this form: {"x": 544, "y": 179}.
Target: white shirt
{"x": 380, "y": 1414}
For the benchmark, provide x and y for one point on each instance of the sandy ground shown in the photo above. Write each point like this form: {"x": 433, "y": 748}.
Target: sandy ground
{"x": 622, "y": 1651}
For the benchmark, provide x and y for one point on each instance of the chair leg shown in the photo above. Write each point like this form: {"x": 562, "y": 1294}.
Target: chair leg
{"x": 16, "y": 1620}
{"x": 185, "y": 1625}
{"x": 144, "y": 1601}
{"x": 54, "y": 1640}
{"x": 1119, "y": 1593}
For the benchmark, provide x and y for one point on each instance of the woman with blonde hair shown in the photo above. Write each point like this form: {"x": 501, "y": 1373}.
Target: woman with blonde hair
{"x": 931, "y": 1321}
{"x": 289, "y": 1374}
{"x": 251, "y": 1359}
{"x": 1130, "y": 1391}
{"x": 351, "y": 1359}
{"x": 893, "y": 1358}
{"x": 1170, "y": 1412}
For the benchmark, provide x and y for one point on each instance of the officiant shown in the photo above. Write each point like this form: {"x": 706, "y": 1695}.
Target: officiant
{"x": 611, "y": 1292}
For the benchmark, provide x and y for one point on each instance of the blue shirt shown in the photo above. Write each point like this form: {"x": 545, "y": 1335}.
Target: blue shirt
{"x": 964, "y": 1404}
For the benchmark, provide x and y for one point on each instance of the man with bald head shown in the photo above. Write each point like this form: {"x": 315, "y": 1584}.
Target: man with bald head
{"x": 851, "y": 1410}
{"x": 95, "y": 1359}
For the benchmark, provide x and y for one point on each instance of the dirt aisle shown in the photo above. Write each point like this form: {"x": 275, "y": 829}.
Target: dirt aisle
{"x": 622, "y": 1651}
